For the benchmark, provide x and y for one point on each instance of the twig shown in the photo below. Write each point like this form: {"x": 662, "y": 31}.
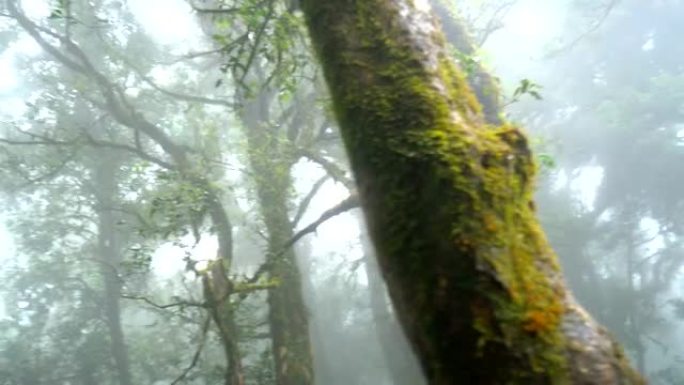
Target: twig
{"x": 606, "y": 12}
{"x": 494, "y": 22}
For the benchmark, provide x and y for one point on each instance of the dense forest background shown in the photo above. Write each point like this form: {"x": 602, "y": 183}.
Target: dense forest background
{"x": 177, "y": 207}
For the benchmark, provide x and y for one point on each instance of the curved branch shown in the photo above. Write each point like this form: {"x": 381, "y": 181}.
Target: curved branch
{"x": 165, "y": 306}
{"x": 351, "y": 202}
{"x": 304, "y": 205}
{"x": 134, "y": 150}
{"x": 336, "y": 172}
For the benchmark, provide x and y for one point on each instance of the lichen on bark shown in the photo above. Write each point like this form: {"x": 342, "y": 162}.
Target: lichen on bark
{"x": 448, "y": 201}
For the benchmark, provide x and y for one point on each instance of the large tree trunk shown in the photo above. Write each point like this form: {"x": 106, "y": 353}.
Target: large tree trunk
{"x": 109, "y": 250}
{"x": 448, "y": 201}
{"x": 288, "y": 316}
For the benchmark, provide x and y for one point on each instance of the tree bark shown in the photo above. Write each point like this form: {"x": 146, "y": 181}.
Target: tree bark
{"x": 288, "y": 316}
{"x": 109, "y": 250}
{"x": 218, "y": 288}
{"x": 483, "y": 84}
{"x": 217, "y": 291}
{"x": 448, "y": 202}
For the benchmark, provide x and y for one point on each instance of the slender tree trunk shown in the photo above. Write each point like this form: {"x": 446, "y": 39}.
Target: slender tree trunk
{"x": 288, "y": 316}
{"x": 448, "y": 201}
{"x": 217, "y": 292}
{"x": 109, "y": 249}
{"x": 483, "y": 84}
{"x": 634, "y": 326}
{"x": 218, "y": 289}
{"x": 86, "y": 376}
{"x": 322, "y": 353}
{"x": 401, "y": 363}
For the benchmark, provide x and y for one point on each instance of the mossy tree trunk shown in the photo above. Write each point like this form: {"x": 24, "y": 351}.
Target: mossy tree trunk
{"x": 271, "y": 158}
{"x": 448, "y": 201}
{"x": 483, "y": 84}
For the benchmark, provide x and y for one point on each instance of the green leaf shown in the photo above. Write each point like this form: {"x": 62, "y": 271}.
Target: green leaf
{"x": 546, "y": 161}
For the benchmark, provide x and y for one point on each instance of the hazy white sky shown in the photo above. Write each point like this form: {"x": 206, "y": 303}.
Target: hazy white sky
{"x": 528, "y": 30}
{"x": 169, "y": 22}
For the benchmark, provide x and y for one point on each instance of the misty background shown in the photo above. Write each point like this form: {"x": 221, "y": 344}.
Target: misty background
{"x": 116, "y": 151}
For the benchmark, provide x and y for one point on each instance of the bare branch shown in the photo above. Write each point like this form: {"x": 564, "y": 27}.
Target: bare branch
{"x": 165, "y": 306}
{"x": 198, "y": 352}
{"x": 304, "y": 205}
{"x": 195, "y": 55}
{"x": 36, "y": 142}
{"x": 215, "y": 11}
{"x": 115, "y": 100}
{"x": 350, "y": 203}
{"x": 494, "y": 22}
{"x": 593, "y": 28}
{"x": 257, "y": 40}
{"x": 175, "y": 94}
{"x": 260, "y": 271}
{"x": 48, "y": 175}
{"x": 134, "y": 150}
{"x": 335, "y": 171}
{"x": 33, "y": 30}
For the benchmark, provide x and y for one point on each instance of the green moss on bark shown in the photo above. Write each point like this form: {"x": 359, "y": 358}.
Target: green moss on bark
{"x": 448, "y": 200}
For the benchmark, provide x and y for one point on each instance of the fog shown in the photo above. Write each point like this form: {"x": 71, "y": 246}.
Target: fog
{"x": 176, "y": 206}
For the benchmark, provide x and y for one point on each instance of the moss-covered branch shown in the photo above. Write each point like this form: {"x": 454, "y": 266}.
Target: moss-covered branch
{"x": 448, "y": 200}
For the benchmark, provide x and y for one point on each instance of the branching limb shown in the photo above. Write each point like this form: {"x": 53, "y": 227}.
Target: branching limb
{"x": 494, "y": 23}
{"x": 257, "y": 40}
{"x": 609, "y": 7}
{"x": 304, "y": 205}
{"x": 178, "y": 95}
{"x": 350, "y": 203}
{"x": 115, "y": 100}
{"x": 181, "y": 304}
{"x": 137, "y": 150}
{"x": 336, "y": 172}
{"x": 259, "y": 273}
